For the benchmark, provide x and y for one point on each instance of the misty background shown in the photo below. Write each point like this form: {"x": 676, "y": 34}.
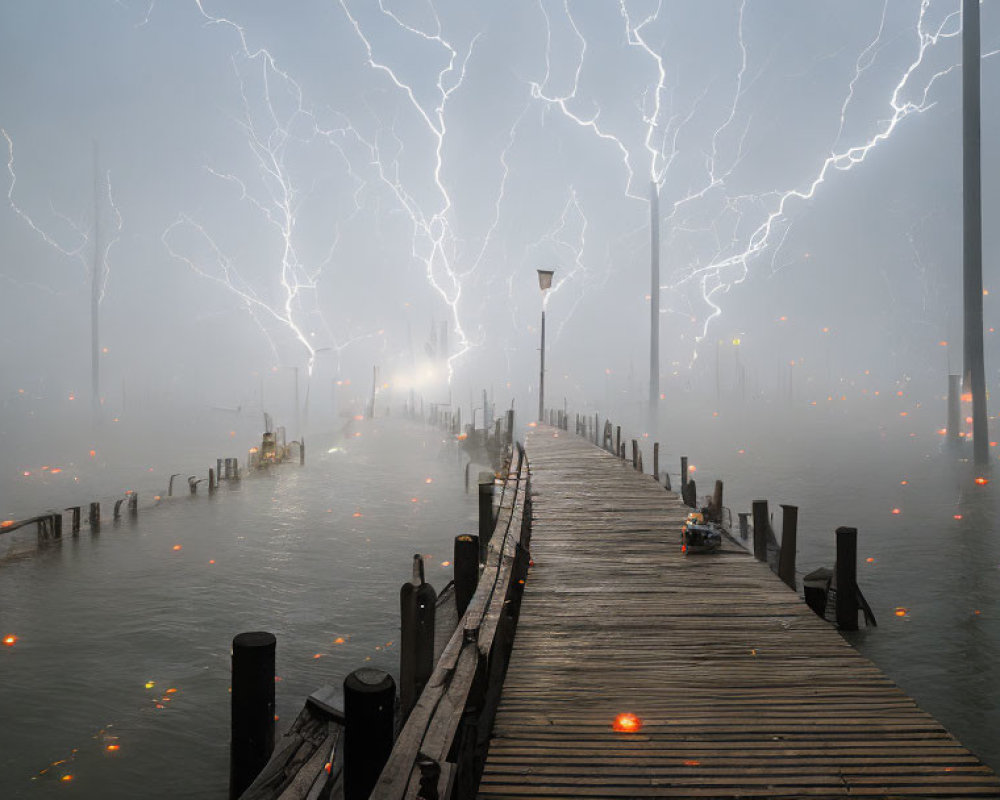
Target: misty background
{"x": 314, "y": 188}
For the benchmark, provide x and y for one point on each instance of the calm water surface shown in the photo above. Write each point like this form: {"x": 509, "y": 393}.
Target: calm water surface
{"x": 124, "y": 636}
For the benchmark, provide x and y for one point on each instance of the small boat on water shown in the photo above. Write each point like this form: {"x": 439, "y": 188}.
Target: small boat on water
{"x": 699, "y": 535}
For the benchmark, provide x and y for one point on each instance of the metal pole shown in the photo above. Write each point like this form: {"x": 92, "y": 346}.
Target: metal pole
{"x": 541, "y": 376}
{"x": 298, "y": 418}
{"x": 975, "y": 371}
{"x": 654, "y": 301}
{"x": 95, "y": 299}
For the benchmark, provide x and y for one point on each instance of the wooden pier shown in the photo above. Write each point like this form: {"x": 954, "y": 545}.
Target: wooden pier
{"x": 741, "y": 690}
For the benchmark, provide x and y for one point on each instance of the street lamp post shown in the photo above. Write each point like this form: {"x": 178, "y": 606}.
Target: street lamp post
{"x": 544, "y": 283}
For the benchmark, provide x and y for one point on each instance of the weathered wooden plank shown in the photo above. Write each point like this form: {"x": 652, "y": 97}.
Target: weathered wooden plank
{"x": 742, "y": 690}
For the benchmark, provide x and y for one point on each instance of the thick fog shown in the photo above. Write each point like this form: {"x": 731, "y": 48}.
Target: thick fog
{"x": 312, "y": 189}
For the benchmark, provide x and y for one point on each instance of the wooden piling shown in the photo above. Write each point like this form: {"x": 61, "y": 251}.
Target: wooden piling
{"x": 760, "y": 525}
{"x": 133, "y": 505}
{"x": 252, "y": 722}
{"x": 369, "y": 711}
{"x": 618, "y": 440}
{"x": 486, "y": 483}
{"x": 211, "y": 480}
{"x": 717, "y": 502}
{"x": 684, "y": 471}
{"x": 94, "y": 518}
{"x": 635, "y": 454}
{"x": 656, "y": 460}
{"x": 847, "y": 579}
{"x": 417, "y": 600}
{"x": 744, "y": 525}
{"x": 218, "y": 469}
{"x": 302, "y": 451}
{"x": 466, "y": 562}
{"x": 117, "y": 513}
{"x": 75, "y": 524}
{"x": 786, "y": 559}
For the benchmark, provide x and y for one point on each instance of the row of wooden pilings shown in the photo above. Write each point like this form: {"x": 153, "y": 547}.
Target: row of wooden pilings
{"x": 839, "y": 584}
{"x": 372, "y": 709}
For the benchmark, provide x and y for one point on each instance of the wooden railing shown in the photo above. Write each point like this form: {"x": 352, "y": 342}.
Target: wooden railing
{"x": 453, "y": 713}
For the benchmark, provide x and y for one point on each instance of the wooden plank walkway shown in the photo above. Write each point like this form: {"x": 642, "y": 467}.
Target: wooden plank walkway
{"x": 742, "y": 690}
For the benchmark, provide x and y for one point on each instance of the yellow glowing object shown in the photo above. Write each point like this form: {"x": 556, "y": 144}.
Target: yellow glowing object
{"x": 736, "y": 341}
{"x": 113, "y": 747}
{"x": 150, "y": 684}
{"x": 627, "y": 723}
{"x": 66, "y": 778}
{"x": 445, "y": 563}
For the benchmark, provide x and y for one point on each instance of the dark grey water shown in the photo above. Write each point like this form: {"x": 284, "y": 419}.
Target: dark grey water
{"x": 99, "y": 618}
{"x": 124, "y": 636}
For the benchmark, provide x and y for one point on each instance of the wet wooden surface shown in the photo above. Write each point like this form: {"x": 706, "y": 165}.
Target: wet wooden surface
{"x": 741, "y": 689}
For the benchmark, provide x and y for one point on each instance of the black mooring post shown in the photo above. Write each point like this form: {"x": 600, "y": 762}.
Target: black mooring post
{"x": 117, "y": 512}
{"x": 417, "y": 600}
{"x": 369, "y": 709}
{"x": 466, "y": 560}
{"x": 635, "y": 454}
{"x": 133, "y": 505}
{"x": 656, "y": 460}
{"x": 847, "y": 579}
{"x": 252, "y": 722}
{"x": 94, "y": 517}
{"x": 486, "y": 483}
{"x": 786, "y": 559}
{"x": 684, "y": 471}
{"x": 75, "y": 524}
{"x": 761, "y": 521}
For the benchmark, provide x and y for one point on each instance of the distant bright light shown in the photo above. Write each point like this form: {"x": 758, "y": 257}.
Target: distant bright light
{"x": 10, "y": 640}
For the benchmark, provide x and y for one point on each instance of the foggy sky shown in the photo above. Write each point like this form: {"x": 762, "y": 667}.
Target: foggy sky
{"x": 174, "y": 101}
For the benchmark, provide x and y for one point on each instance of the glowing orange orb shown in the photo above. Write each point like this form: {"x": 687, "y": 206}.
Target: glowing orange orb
{"x": 66, "y": 778}
{"x": 870, "y": 560}
{"x": 339, "y": 640}
{"x": 896, "y": 511}
{"x": 6, "y": 523}
{"x": 900, "y": 611}
{"x": 93, "y": 453}
{"x": 10, "y": 640}
{"x": 627, "y": 723}
{"x": 981, "y": 481}
{"x": 956, "y": 516}
{"x": 177, "y": 547}
{"x": 114, "y": 747}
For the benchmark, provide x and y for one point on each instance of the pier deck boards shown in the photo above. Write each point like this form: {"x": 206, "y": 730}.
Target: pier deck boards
{"x": 742, "y": 690}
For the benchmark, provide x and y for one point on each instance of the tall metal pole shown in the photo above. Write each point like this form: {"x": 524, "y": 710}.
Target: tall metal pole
{"x": 95, "y": 298}
{"x": 541, "y": 377}
{"x": 654, "y": 301}
{"x": 975, "y": 369}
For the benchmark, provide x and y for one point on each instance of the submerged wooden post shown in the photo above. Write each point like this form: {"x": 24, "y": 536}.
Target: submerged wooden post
{"x": 252, "y": 724}
{"x": 218, "y": 468}
{"x": 656, "y": 460}
{"x": 786, "y": 560}
{"x": 95, "y": 515}
{"x": 133, "y": 505}
{"x": 847, "y": 579}
{"x": 486, "y": 483}
{"x": 369, "y": 711}
{"x": 760, "y": 523}
{"x": 717, "y": 502}
{"x": 75, "y": 524}
{"x": 211, "y": 480}
{"x": 417, "y": 600}
{"x": 466, "y": 561}
{"x": 302, "y": 451}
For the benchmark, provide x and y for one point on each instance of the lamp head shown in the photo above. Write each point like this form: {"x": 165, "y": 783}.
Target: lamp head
{"x": 545, "y": 278}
